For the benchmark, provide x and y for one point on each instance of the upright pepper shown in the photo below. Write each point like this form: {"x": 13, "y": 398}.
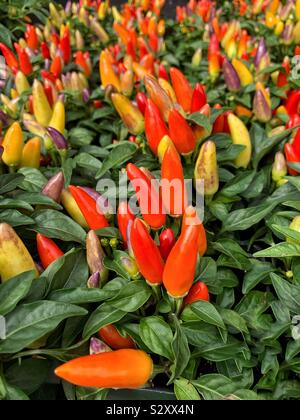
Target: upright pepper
{"x": 126, "y": 368}
{"x": 111, "y": 336}
{"x": 243, "y": 72}
{"x": 141, "y": 100}
{"x": 88, "y": 207}
{"x": 21, "y": 83}
{"x": 31, "y": 37}
{"x": 181, "y": 133}
{"x": 293, "y": 102}
{"x": 58, "y": 117}
{"x": 166, "y": 242}
{"x": 124, "y": 216}
{"x": 73, "y": 209}
{"x": 13, "y": 144}
{"x": 158, "y": 96}
{"x": 53, "y": 188}
{"x": 231, "y": 77}
{"x": 191, "y": 217}
{"x": 24, "y": 60}
{"x": 155, "y": 128}
{"x": 95, "y": 256}
{"x": 178, "y": 276}
{"x": 206, "y": 168}
{"x": 198, "y": 98}
{"x": 48, "y": 250}
{"x": 262, "y": 104}
{"x": 41, "y": 108}
{"x": 9, "y": 56}
{"x": 173, "y": 186}
{"x": 240, "y": 135}
{"x": 13, "y": 249}
{"x": 291, "y": 156}
{"x": 148, "y": 196}
{"x": 279, "y": 168}
{"x": 107, "y": 74}
{"x": 45, "y": 50}
{"x": 168, "y": 89}
{"x": 182, "y": 88}
{"x": 198, "y": 291}
{"x": 31, "y": 154}
{"x": 65, "y": 45}
{"x": 130, "y": 114}
{"x": 146, "y": 253}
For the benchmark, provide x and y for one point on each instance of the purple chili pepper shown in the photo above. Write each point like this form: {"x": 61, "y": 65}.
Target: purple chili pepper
{"x": 5, "y": 118}
{"x": 231, "y": 77}
{"x": 85, "y": 95}
{"x": 94, "y": 281}
{"x": 68, "y": 7}
{"x": 54, "y": 187}
{"x": 58, "y": 139}
{"x": 261, "y": 51}
{"x": 97, "y": 346}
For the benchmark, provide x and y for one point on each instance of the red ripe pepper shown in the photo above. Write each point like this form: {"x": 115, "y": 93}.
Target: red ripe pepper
{"x": 221, "y": 122}
{"x": 9, "y": 56}
{"x": 198, "y": 99}
{"x": 153, "y": 41}
{"x": 283, "y": 76}
{"x": 55, "y": 39}
{"x": 65, "y": 45}
{"x": 56, "y": 66}
{"x": 181, "y": 133}
{"x": 48, "y": 93}
{"x": 82, "y": 60}
{"x": 162, "y": 72}
{"x": 293, "y": 121}
{"x": 130, "y": 50}
{"x": 182, "y": 88}
{"x": 124, "y": 216}
{"x": 292, "y": 102}
{"x": 30, "y": 104}
{"x": 198, "y": 291}
{"x": 297, "y": 50}
{"x": 148, "y": 196}
{"x": 155, "y": 128}
{"x": 166, "y": 242}
{"x": 291, "y": 156}
{"x": 141, "y": 100}
{"x": 179, "y": 275}
{"x": 88, "y": 206}
{"x": 31, "y": 37}
{"x": 47, "y": 75}
{"x": 143, "y": 49}
{"x": 171, "y": 170}
{"x": 296, "y": 142}
{"x": 25, "y": 64}
{"x": 146, "y": 253}
{"x": 190, "y": 217}
{"x": 48, "y": 250}
{"x": 97, "y": 104}
{"x": 111, "y": 336}
{"x": 45, "y": 51}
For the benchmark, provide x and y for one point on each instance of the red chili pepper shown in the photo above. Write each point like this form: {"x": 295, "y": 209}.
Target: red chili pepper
{"x": 82, "y": 60}
{"x": 293, "y": 121}
{"x": 30, "y": 104}
{"x": 182, "y": 88}
{"x": 9, "y": 56}
{"x": 155, "y": 128}
{"x": 284, "y": 76}
{"x": 31, "y": 37}
{"x": 48, "y": 250}
{"x": 141, "y": 100}
{"x": 181, "y": 133}
{"x": 162, "y": 72}
{"x": 198, "y": 291}
{"x": 47, "y": 75}
{"x": 179, "y": 275}
{"x": 198, "y": 99}
{"x": 292, "y": 103}
{"x": 153, "y": 41}
{"x": 56, "y": 66}
{"x": 88, "y": 206}
{"x": 55, "y": 39}
{"x": 45, "y": 51}
{"x": 124, "y": 216}
{"x": 111, "y": 336}
{"x": 166, "y": 242}
{"x": 296, "y": 143}
{"x": 25, "y": 64}
{"x": 291, "y": 156}
{"x": 97, "y": 104}
{"x": 130, "y": 50}
{"x": 190, "y": 217}
{"x": 148, "y": 196}
{"x": 65, "y": 45}
{"x": 48, "y": 93}
{"x": 146, "y": 253}
{"x": 174, "y": 198}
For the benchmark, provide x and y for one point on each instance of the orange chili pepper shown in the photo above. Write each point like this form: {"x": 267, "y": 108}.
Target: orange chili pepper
{"x": 114, "y": 339}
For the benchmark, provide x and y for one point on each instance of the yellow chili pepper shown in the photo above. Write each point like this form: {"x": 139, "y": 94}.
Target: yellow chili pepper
{"x": 107, "y": 74}
{"x": 163, "y": 146}
{"x": 21, "y": 82}
{"x": 240, "y": 135}
{"x": 14, "y": 256}
{"x": 31, "y": 153}
{"x": 41, "y": 108}
{"x": 297, "y": 9}
{"x": 130, "y": 114}
{"x": 13, "y": 144}
{"x": 279, "y": 28}
{"x": 168, "y": 89}
{"x": 72, "y": 208}
{"x": 58, "y": 117}
{"x": 127, "y": 82}
{"x": 206, "y": 169}
{"x": 243, "y": 72}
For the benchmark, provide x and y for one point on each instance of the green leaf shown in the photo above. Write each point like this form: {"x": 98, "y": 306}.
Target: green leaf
{"x": 205, "y": 311}
{"x": 157, "y": 335}
{"x": 118, "y": 155}
{"x": 15, "y": 218}
{"x": 10, "y": 203}
{"x": 8, "y": 182}
{"x": 33, "y": 180}
{"x": 234, "y": 320}
{"x": 259, "y": 272}
{"x": 29, "y": 322}
{"x": 14, "y": 290}
{"x": 288, "y": 293}
{"x": 80, "y": 295}
{"x": 185, "y": 391}
{"x": 91, "y": 394}
{"x": 288, "y": 233}
{"x": 233, "y": 250}
{"x": 105, "y": 314}
{"x": 132, "y": 296}
{"x": 281, "y": 250}
{"x": 181, "y": 351}
{"x": 56, "y": 225}
{"x": 5, "y": 36}
{"x": 201, "y": 120}
{"x": 84, "y": 160}
{"x": 38, "y": 199}
{"x": 238, "y": 184}
{"x": 80, "y": 136}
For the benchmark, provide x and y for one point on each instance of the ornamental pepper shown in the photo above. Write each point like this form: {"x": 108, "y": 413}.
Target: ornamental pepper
{"x": 31, "y": 154}
{"x": 13, "y": 144}
{"x": 293, "y": 121}
{"x": 141, "y": 100}
{"x": 48, "y": 250}
{"x": 191, "y": 217}
{"x": 58, "y": 117}
{"x": 181, "y": 133}
{"x": 173, "y": 186}
{"x": 231, "y": 77}
{"x": 14, "y": 256}
{"x": 21, "y": 83}
{"x": 88, "y": 206}
{"x": 198, "y": 98}
{"x": 262, "y": 104}
{"x": 158, "y": 96}
{"x": 148, "y": 196}
{"x": 182, "y": 88}
{"x": 166, "y": 242}
{"x": 291, "y": 155}
{"x": 56, "y": 66}
{"x": 41, "y": 108}
{"x": 294, "y": 225}
{"x": 206, "y": 169}
{"x": 127, "y": 82}
{"x": 95, "y": 256}
{"x": 168, "y": 89}
{"x": 111, "y": 336}
{"x": 24, "y": 60}
{"x": 146, "y": 253}
{"x": 240, "y": 135}
{"x": 53, "y": 188}
{"x": 72, "y": 208}
{"x": 65, "y": 45}
{"x": 279, "y": 168}
{"x": 163, "y": 146}
{"x": 31, "y": 37}
{"x": 162, "y": 72}
{"x": 107, "y": 74}
{"x": 9, "y": 56}
{"x": 129, "y": 113}
{"x": 45, "y": 51}
{"x": 155, "y": 128}
{"x": 292, "y": 102}
{"x": 125, "y": 368}
{"x": 124, "y": 216}
{"x": 198, "y": 291}
{"x": 178, "y": 276}
{"x": 83, "y": 61}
